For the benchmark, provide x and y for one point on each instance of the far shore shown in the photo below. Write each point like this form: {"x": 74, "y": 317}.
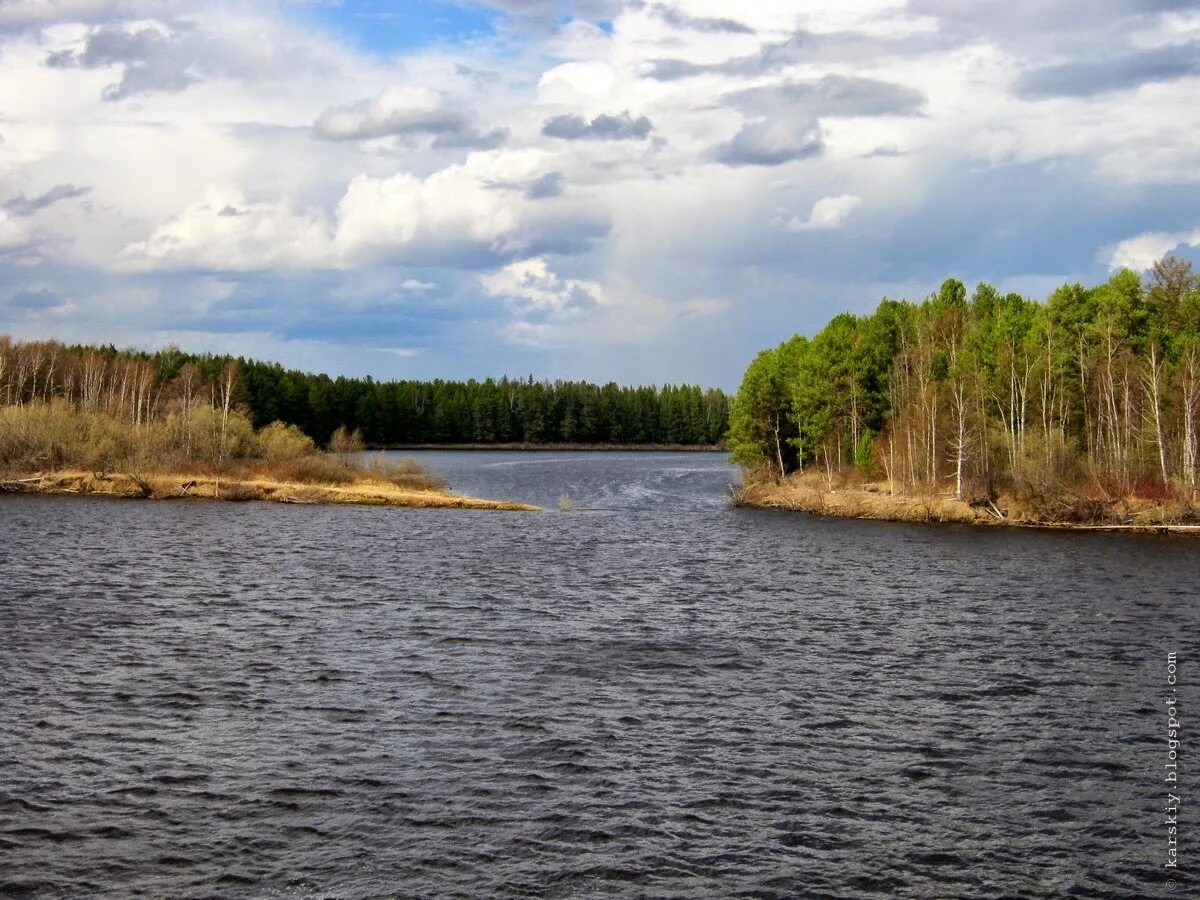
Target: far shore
{"x": 556, "y": 447}
{"x": 176, "y": 486}
{"x": 810, "y": 494}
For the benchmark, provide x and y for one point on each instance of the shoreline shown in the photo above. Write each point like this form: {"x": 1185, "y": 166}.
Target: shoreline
{"x": 173, "y": 486}
{"x": 554, "y": 447}
{"x": 876, "y": 502}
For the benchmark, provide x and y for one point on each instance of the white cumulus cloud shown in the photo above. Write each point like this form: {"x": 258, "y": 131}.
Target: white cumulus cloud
{"x": 1143, "y": 250}
{"x": 827, "y": 213}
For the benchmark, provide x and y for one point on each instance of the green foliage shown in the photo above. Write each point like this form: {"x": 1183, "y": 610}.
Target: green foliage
{"x": 864, "y": 453}
{"x": 399, "y": 412}
{"x": 1101, "y": 382}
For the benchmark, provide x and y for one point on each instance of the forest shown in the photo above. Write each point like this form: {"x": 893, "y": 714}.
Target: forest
{"x": 145, "y": 386}
{"x": 1094, "y": 392}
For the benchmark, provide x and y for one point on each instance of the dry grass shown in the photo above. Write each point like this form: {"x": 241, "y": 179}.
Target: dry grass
{"x": 876, "y": 500}
{"x": 55, "y": 448}
{"x": 406, "y": 473}
{"x": 186, "y": 486}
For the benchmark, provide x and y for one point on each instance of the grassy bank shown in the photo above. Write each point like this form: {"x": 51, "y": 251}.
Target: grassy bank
{"x": 813, "y": 493}
{"x": 196, "y": 451}
{"x": 250, "y": 486}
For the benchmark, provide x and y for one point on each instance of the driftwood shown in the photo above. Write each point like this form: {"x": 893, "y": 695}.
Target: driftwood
{"x": 19, "y": 485}
{"x": 297, "y": 500}
{"x": 143, "y": 485}
{"x": 185, "y": 489}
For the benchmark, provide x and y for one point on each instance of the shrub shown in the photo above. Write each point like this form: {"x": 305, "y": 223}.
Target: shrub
{"x": 316, "y": 468}
{"x": 278, "y": 442}
{"x": 346, "y": 443}
{"x": 406, "y": 473}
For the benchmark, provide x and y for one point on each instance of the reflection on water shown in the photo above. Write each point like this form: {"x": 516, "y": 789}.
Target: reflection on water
{"x": 651, "y": 694}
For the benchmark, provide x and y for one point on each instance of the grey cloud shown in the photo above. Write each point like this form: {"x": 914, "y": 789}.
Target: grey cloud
{"x": 367, "y": 119}
{"x": 801, "y": 47}
{"x": 476, "y": 140}
{"x": 769, "y": 58}
{"x": 364, "y": 120}
{"x": 230, "y": 212}
{"x": 604, "y": 127}
{"x": 834, "y": 95}
{"x": 17, "y": 14}
{"x": 549, "y": 185}
{"x": 153, "y": 61}
{"x": 1086, "y": 78}
{"x": 170, "y": 61}
{"x": 20, "y": 205}
{"x": 676, "y": 19}
{"x": 1037, "y": 19}
{"x": 479, "y": 76}
{"x": 805, "y": 48}
{"x": 771, "y": 143}
{"x": 35, "y": 298}
{"x": 678, "y": 69}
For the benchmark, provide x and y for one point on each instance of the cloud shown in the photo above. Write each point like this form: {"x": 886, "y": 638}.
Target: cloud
{"x": 449, "y": 218}
{"x": 677, "y": 19}
{"x": 363, "y": 179}
{"x": 170, "y": 58}
{"x": 834, "y": 95}
{"x": 226, "y": 232}
{"x": 771, "y": 142}
{"x": 36, "y": 298}
{"x": 1143, "y": 250}
{"x": 405, "y": 111}
{"x": 453, "y": 218}
{"x": 14, "y": 235}
{"x": 533, "y": 289}
{"x": 546, "y": 307}
{"x": 827, "y": 213}
{"x": 604, "y": 127}
{"x": 41, "y": 13}
{"x": 153, "y": 60}
{"x": 1086, "y": 78}
{"x": 549, "y": 185}
{"x": 22, "y": 206}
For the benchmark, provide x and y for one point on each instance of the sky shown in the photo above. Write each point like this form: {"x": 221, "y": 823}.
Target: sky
{"x": 626, "y": 190}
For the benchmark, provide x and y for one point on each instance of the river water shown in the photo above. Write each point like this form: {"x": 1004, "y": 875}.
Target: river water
{"x": 651, "y": 694}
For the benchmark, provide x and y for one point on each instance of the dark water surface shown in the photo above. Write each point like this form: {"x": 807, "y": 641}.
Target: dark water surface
{"x": 653, "y": 694}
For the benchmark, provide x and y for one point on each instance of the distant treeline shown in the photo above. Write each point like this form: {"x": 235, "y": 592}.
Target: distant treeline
{"x": 141, "y": 385}
{"x": 1095, "y": 391}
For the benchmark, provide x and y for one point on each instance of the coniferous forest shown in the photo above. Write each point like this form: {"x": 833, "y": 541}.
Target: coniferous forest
{"x": 1096, "y": 391}
{"x": 143, "y": 385}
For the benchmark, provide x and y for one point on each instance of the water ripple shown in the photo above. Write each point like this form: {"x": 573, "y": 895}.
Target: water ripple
{"x": 654, "y": 695}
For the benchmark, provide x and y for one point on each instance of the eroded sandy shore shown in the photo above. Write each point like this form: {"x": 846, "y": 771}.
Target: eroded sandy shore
{"x": 369, "y": 492}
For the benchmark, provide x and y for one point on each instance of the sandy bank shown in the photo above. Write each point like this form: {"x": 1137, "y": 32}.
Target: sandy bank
{"x": 876, "y": 501}
{"x": 369, "y": 492}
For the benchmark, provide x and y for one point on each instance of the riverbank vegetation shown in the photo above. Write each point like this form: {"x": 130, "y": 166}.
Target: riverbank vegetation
{"x": 117, "y": 431}
{"x": 385, "y": 413}
{"x": 987, "y": 407}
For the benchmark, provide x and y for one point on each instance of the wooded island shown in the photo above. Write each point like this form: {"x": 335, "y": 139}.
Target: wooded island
{"x": 987, "y": 408}
{"x": 94, "y": 419}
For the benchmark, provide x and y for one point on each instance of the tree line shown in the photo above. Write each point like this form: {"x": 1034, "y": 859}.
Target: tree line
{"x": 1096, "y": 388}
{"x": 143, "y": 385}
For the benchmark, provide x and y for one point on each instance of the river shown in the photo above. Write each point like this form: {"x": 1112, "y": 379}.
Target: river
{"x": 651, "y": 693}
